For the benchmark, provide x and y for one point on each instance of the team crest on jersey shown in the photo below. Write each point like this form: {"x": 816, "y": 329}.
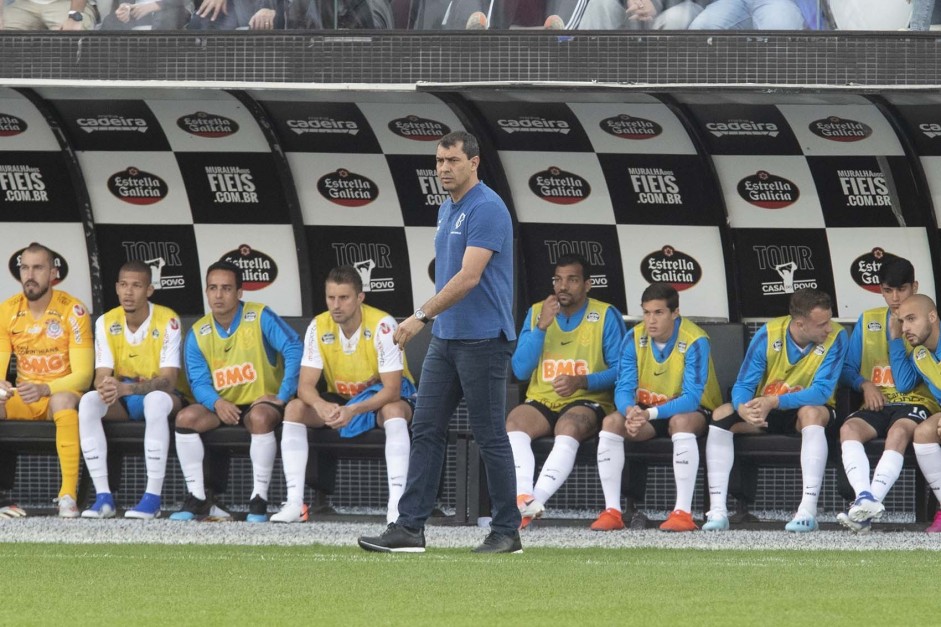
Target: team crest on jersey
{"x": 115, "y": 329}
{"x": 874, "y": 326}
{"x": 250, "y": 316}
{"x": 328, "y": 338}
{"x": 53, "y": 330}
{"x": 593, "y": 316}
{"x": 643, "y": 341}
{"x": 206, "y": 329}
{"x": 777, "y": 346}
{"x": 820, "y": 350}
{"x": 681, "y": 346}
{"x": 367, "y": 334}
{"x": 155, "y": 334}
{"x": 921, "y": 353}
{"x": 78, "y": 310}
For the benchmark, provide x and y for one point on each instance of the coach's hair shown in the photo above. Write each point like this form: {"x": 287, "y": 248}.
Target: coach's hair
{"x": 36, "y": 247}
{"x": 346, "y": 275}
{"x": 661, "y": 291}
{"x": 575, "y": 259}
{"x": 896, "y": 272}
{"x": 470, "y": 146}
{"x": 806, "y": 300}
{"x": 136, "y": 265}
{"x": 226, "y": 266}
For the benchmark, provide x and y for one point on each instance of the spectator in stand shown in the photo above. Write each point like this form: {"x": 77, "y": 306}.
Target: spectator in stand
{"x": 48, "y": 15}
{"x": 644, "y": 14}
{"x": 340, "y": 14}
{"x": 147, "y": 15}
{"x": 236, "y": 15}
{"x": 502, "y": 14}
{"x": 755, "y": 15}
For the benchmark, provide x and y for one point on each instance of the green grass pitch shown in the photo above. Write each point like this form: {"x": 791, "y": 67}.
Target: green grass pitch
{"x": 147, "y": 584}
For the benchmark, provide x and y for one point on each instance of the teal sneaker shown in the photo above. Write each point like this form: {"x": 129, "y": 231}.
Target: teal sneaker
{"x": 802, "y": 523}
{"x": 716, "y": 522}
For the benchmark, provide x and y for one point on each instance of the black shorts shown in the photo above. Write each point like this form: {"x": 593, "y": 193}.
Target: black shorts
{"x": 243, "y": 409}
{"x": 553, "y": 416}
{"x": 883, "y": 419}
{"x": 779, "y": 422}
{"x": 661, "y": 426}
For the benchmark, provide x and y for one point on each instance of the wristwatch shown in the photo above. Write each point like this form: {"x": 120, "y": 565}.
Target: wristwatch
{"x": 76, "y": 15}
{"x": 420, "y": 315}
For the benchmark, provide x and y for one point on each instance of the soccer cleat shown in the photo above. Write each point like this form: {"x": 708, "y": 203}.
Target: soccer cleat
{"x": 859, "y": 528}
{"x": 935, "y": 526}
{"x": 716, "y": 522}
{"x": 554, "y": 22}
{"x": 497, "y": 542}
{"x": 147, "y": 509}
{"x": 609, "y": 520}
{"x": 68, "y": 508}
{"x": 12, "y": 511}
{"x": 193, "y": 509}
{"x": 103, "y": 507}
{"x": 530, "y": 509}
{"x": 395, "y": 539}
{"x": 257, "y": 510}
{"x": 678, "y": 520}
{"x": 866, "y": 508}
{"x": 801, "y": 523}
{"x": 291, "y": 513}
{"x": 477, "y": 21}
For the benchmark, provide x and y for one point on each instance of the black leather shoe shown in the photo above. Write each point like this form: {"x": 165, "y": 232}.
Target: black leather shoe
{"x": 497, "y": 542}
{"x": 395, "y": 539}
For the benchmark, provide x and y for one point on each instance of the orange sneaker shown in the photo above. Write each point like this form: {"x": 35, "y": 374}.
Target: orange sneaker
{"x": 609, "y": 520}
{"x": 678, "y": 520}
{"x": 530, "y": 509}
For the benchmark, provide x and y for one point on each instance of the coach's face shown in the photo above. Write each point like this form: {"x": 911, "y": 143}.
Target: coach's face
{"x": 222, "y": 294}
{"x": 36, "y": 274}
{"x": 133, "y": 288}
{"x": 456, "y": 172}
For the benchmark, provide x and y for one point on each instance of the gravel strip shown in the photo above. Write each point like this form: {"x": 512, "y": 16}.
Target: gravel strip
{"x": 53, "y": 530}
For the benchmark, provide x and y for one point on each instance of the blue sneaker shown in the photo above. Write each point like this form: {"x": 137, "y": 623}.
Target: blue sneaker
{"x": 257, "y": 510}
{"x": 866, "y": 508}
{"x": 147, "y": 509}
{"x": 802, "y": 523}
{"x": 103, "y": 507}
{"x": 859, "y": 528}
{"x": 716, "y": 522}
{"x": 193, "y": 509}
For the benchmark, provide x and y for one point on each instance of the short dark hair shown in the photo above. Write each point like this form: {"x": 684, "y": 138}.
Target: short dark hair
{"x": 36, "y": 247}
{"x": 136, "y": 265}
{"x": 896, "y": 272}
{"x": 346, "y": 275}
{"x": 806, "y": 300}
{"x": 575, "y": 259}
{"x": 226, "y": 266}
{"x": 661, "y": 291}
{"x": 470, "y": 146}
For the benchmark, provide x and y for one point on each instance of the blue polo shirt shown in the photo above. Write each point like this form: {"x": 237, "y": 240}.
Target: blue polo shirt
{"x": 479, "y": 219}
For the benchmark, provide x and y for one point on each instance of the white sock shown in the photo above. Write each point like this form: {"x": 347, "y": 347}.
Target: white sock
{"x": 856, "y": 465}
{"x": 524, "y": 460}
{"x": 91, "y": 409}
{"x": 398, "y": 446}
{"x": 813, "y": 463}
{"x": 929, "y": 460}
{"x": 190, "y": 452}
{"x": 611, "y": 467}
{"x": 557, "y": 468}
{"x": 685, "y": 469}
{"x": 157, "y": 408}
{"x": 720, "y": 455}
{"x": 294, "y": 452}
{"x": 887, "y": 473}
{"x": 262, "y": 451}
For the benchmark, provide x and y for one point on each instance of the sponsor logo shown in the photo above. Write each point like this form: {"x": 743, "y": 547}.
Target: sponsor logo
{"x": 768, "y": 191}
{"x": 155, "y": 334}
{"x": 158, "y": 255}
{"x": 350, "y": 388}
{"x": 323, "y": 125}
{"x": 206, "y": 329}
{"x": 347, "y": 188}
{"x": 112, "y": 124}
{"x": 328, "y": 338}
{"x": 875, "y": 327}
{"x": 115, "y": 329}
{"x": 431, "y": 188}
{"x": 137, "y": 187}
{"x": 629, "y": 127}
{"x": 367, "y": 257}
{"x": 920, "y": 353}
{"x": 367, "y": 334}
{"x": 551, "y": 368}
{"x": 650, "y": 398}
{"x": 79, "y": 311}
{"x": 655, "y": 186}
{"x": 29, "y": 365}
{"x": 11, "y": 125}
{"x": 231, "y": 184}
{"x": 560, "y": 187}
{"x": 681, "y": 346}
{"x": 57, "y": 260}
{"x": 174, "y": 324}
{"x": 864, "y": 188}
{"x": 250, "y": 316}
{"x": 231, "y": 376}
{"x": 865, "y": 269}
{"x": 930, "y": 129}
{"x": 839, "y": 130}
{"x": 418, "y": 128}
{"x": 780, "y": 387}
{"x": 882, "y": 376}
{"x": 820, "y": 350}
{"x": 593, "y": 316}
{"x": 743, "y": 128}
{"x": 22, "y": 183}
{"x": 207, "y": 125}
{"x": 258, "y": 269}
{"x": 384, "y": 328}
{"x": 792, "y": 263}
{"x": 533, "y": 124}
{"x": 668, "y": 265}
{"x": 777, "y": 346}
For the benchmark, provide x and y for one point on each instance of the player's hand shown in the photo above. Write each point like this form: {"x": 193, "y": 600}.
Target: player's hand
{"x": 872, "y": 397}
{"x": 139, "y": 11}
{"x": 212, "y": 9}
{"x": 108, "y": 390}
{"x": 641, "y": 10}
{"x": 123, "y": 14}
{"x": 567, "y": 384}
{"x": 325, "y": 410}
{"x": 228, "y": 412}
{"x": 262, "y": 20}
{"x": 635, "y": 419}
{"x": 751, "y": 412}
{"x": 341, "y": 417}
{"x": 895, "y": 325}
{"x": 6, "y": 391}
{"x": 70, "y": 24}
{"x": 32, "y": 392}
{"x": 409, "y": 328}
{"x": 550, "y": 309}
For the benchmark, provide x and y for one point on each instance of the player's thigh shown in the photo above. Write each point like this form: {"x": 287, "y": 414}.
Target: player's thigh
{"x": 863, "y": 425}
{"x": 901, "y": 432}
{"x": 197, "y": 418}
{"x": 532, "y": 418}
{"x": 299, "y": 411}
{"x": 396, "y": 409}
{"x": 927, "y": 432}
{"x": 263, "y": 416}
{"x": 689, "y": 422}
{"x": 581, "y": 420}
{"x": 15, "y": 409}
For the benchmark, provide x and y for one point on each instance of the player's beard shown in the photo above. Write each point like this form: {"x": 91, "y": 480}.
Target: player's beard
{"x": 36, "y": 295}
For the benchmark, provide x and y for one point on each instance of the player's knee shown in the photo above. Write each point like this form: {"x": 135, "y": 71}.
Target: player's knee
{"x": 187, "y": 418}
{"x": 692, "y": 422}
{"x": 157, "y": 405}
{"x": 63, "y": 400}
{"x": 613, "y": 423}
{"x": 722, "y": 412}
{"x": 91, "y": 407}
{"x": 812, "y": 415}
